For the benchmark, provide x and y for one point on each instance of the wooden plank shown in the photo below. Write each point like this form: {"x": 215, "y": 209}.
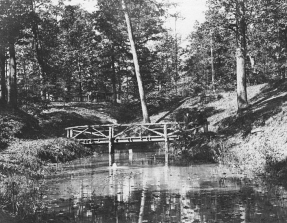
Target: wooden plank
{"x": 123, "y": 141}
{"x": 95, "y": 134}
{"x": 80, "y": 133}
{"x": 124, "y": 131}
{"x": 100, "y": 132}
{"x": 156, "y": 132}
{"x": 90, "y": 133}
{"x": 166, "y": 144}
{"x": 127, "y": 140}
{"x": 125, "y": 125}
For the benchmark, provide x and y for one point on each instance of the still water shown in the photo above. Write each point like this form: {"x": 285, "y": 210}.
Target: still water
{"x": 143, "y": 189}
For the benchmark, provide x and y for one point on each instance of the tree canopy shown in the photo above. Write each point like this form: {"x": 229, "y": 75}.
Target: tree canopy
{"x": 122, "y": 51}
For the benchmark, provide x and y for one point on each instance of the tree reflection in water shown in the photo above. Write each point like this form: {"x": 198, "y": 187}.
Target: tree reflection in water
{"x": 144, "y": 190}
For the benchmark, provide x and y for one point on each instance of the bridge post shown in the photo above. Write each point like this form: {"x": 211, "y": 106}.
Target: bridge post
{"x": 69, "y": 133}
{"x": 205, "y": 127}
{"x": 111, "y": 146}
{"x": 166, "y": 144}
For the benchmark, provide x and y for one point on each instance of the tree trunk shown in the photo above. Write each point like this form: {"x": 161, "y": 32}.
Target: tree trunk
{"x": 114, "y": 100}
{"x": 212, "y": 66}
{"x": 119, "y": 93}
{"x": 12, "y": 78}
{"x": 2, "y": 74}
{"x": 80, "y": 81}
{"x": 145, "y": 114}
{"x": 68, "y": 95}
{"x": 240, "y": 57}
{"x": 176, "y": 59}
{"x": 40, "y": 59}
{"x": 241, "y": 79}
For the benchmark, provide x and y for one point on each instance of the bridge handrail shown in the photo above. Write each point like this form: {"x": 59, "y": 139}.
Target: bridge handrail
{"x": 127, "y": 125}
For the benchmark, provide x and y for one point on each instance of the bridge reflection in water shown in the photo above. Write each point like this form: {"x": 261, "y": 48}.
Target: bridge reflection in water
{"x": 149, "y": 191}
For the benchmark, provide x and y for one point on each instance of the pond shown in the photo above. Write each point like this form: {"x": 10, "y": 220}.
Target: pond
{"x": 143, "y": 189}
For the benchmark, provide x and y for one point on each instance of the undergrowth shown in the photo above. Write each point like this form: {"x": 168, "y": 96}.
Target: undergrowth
{"x": 34, "y": 155}
{"x": 199, "y": 147}
{"x": 23, "y": 169}
{"x": 22, "y": 197}
{"x": 8, "y": 130}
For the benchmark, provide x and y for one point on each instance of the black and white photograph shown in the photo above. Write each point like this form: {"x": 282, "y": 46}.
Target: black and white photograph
{"x": 143, "y": 111}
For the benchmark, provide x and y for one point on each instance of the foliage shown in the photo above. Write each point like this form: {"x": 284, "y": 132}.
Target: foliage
{"x": 16, "y": 124}
{"x": 8, "y": 130}
{"x": 22, "y": 196}
{"x": 195, "y": 147}
{"x": 179, "y": 114}
{"x": 33, "y": 155}
{"x": 266, "y": 43}
{"x": 22, "y": 175}
{"x": 125, "y": 113}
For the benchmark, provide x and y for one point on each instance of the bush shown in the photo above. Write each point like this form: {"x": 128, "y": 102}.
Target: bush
{"x": 195, "y": 147}
{"x": 21, "y": 184}
{"x": 62, "y": 150}
{"x": 9, "y": 128}
{"x": 31, "y": 156}
{"x": 22, "y": 197}
{"x": 179, "y": 114}
{"x": 33, "y": 104}
{"x": 124, "y": 113}
{"x": 53, "y": 123}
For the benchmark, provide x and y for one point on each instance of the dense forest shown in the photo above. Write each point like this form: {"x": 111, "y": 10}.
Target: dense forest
{"x": 122, "y": 51}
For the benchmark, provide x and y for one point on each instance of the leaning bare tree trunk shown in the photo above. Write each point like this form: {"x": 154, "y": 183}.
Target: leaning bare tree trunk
{"x": 2, "y": 74}
{"x": 240, "y": 58}
{"x": 12, "y": 79}
{"x": 146, "y": 118}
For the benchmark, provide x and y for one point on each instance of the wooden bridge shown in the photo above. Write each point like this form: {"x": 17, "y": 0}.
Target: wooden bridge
{"x": 128, "y": 133}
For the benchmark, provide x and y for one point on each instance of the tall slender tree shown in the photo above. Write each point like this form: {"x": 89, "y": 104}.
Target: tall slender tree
{"x": 145, "y": 114}
{"x": 241, "y": 54}
{"x": 2, "y": 74}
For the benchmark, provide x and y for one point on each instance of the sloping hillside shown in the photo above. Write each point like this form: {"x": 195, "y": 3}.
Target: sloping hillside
{"x": 257, "y": 137}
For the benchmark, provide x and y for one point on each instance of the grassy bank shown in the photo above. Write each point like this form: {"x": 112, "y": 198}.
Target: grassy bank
{"x": 22, "y": 167}
{"x": 32, "y": 146}
{"x": 253, "y": 142}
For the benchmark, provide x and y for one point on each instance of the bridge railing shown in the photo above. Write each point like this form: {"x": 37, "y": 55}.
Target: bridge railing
{"x": 124, "y": 133}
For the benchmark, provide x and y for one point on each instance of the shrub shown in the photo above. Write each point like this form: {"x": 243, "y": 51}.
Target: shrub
{"x": 33, "y": 104}
{"x": 22, "y": 197}
{"x": 9, "y": 128}
{"x": 31, "y": 156}
{"x": 195, "y": 147}
{"x": 124, "y": 113}
{"x": 179, "y": 114}
{"x": 20, "y": 188}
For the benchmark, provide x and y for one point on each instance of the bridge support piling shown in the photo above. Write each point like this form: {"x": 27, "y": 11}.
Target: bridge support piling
{"x": 131, "y": 156}
{"x": 69, "y": 133}
{"x": 166, "y": 144}
{"x": 111, "y": 147}
{"x": 205, "y": 127}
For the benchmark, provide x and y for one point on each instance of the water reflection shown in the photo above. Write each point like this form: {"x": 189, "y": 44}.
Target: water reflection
{"x": 143, "y": 189}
